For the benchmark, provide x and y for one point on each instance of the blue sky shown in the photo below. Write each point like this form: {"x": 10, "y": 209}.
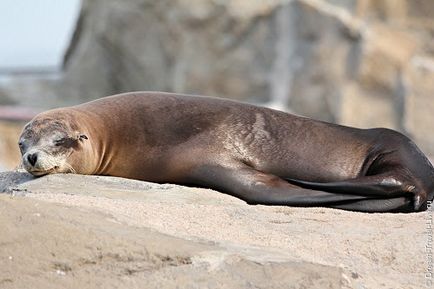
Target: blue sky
{"x": 35, "y": 33}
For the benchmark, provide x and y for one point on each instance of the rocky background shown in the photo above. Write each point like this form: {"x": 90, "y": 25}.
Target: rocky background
{"x": 364, "y": 63}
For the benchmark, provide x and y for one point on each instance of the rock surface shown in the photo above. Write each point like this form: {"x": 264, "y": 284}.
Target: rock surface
{"x": 74, "y": 231}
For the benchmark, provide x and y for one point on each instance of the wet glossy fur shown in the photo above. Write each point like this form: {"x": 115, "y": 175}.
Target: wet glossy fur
{"x": 260, "y": 155}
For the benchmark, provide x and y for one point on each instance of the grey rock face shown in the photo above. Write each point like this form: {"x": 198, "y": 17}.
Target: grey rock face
{"x": 361, "y": 62}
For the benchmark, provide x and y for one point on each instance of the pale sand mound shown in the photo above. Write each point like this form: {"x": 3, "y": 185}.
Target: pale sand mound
{"x": 373, "y": 250}
{"x": 46, "y": 246}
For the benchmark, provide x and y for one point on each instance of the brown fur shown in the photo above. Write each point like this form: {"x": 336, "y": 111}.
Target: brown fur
{"x": 257, "y": 154}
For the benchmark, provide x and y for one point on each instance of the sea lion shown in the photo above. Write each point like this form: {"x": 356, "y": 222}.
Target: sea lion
{"x": 260, "y": 155}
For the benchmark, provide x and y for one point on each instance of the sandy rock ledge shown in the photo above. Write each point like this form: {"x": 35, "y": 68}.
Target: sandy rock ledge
{"x": 72, "y": 231}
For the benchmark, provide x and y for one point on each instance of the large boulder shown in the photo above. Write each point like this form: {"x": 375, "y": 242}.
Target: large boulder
{"x": 93, "y": 231}
{"x": 355, "y": 62}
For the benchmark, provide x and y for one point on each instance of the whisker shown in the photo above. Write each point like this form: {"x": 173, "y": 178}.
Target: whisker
{"x": 71, "y": 169}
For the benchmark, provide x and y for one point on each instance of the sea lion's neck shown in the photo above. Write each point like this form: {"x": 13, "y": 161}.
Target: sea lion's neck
{"x": 93, "y": 158}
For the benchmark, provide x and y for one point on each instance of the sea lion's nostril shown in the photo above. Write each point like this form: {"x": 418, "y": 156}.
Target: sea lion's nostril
{"x": 32, "y": 158}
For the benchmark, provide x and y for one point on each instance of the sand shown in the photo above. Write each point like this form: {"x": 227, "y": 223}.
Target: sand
{"x": 370, "y": 250}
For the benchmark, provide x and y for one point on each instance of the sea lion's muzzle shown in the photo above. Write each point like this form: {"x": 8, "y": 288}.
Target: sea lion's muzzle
{"x": 32, "y": 158}
{"x": 39, "y": 163}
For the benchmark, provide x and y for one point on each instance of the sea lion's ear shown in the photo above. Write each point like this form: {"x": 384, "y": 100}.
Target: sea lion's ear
{"x": 82, "y": 137}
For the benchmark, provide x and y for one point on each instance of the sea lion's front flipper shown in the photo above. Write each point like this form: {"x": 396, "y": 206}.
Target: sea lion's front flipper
{"x": 378, "y": 205}
{"x": 380, "y": 186}
{"x": 256, "y": 187}
{"x": 389, "y": 189}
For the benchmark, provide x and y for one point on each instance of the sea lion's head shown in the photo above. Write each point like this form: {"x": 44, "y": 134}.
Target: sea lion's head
{"x": 50, "y": 142}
